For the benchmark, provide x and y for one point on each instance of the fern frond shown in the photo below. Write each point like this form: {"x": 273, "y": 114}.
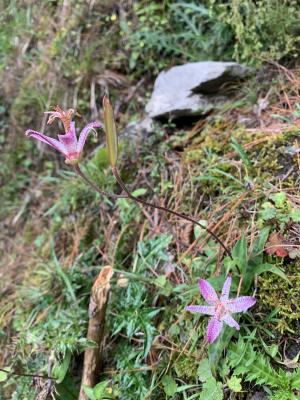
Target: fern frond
{"x": 284, "y": 395}
{"x": 263, "y": 374}
{"x": 295, "y": 379}
{"x": 245, "y": 361}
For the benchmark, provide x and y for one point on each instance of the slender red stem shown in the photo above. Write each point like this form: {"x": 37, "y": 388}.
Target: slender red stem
{"x": 95, "y": 187}
{"x": 146, "y": 203}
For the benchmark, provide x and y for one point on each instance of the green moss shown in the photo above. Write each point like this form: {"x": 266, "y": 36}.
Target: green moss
{"x": 185, "y": 367}
{"x": 285, "y": 297}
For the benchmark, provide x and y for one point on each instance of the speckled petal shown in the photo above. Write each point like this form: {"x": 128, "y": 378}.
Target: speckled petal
{"x": 208, "y": 310}
{"x": 46, "y": 139}
{"x": 214, "y": 328}
{"x": 208, "y": 292}
{"x": 226, "y": 289}
{"x": 231, "y": 321}
{"x": 240, "y": 304}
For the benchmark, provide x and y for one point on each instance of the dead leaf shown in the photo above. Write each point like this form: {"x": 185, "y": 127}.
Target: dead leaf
{"x": 276, "y": 245}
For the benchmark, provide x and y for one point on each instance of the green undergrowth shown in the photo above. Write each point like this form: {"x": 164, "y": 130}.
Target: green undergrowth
{"x": 59, "y": 233}
{"x": 153, "y": 348}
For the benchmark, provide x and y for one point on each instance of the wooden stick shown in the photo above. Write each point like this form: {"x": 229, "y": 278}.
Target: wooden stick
{"x": 97, "y": 309}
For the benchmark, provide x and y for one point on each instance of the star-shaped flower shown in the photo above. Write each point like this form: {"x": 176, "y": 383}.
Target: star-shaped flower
{"x": 220, "y": 308}
{"x": 67, "y": 144}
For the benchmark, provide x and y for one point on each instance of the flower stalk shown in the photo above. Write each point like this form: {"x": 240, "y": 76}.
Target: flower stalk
{"x": 167, "y": 210}
{"x": 79, "y": 171}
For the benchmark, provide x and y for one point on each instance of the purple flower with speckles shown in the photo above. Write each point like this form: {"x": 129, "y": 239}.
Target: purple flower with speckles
{"x": 220, "y": 308}
{"x": 67, "y": 144}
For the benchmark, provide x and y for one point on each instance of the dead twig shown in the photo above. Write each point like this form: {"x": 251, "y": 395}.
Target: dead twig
{"x": 97, "y": 310}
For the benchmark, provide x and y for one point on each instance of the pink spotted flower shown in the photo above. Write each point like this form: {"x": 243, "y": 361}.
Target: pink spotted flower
{"x": 67, "y": 143}
{"x": 221, "y": 309}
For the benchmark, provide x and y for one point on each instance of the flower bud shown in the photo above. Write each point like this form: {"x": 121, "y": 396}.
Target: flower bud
{"x": 110, "y": 131}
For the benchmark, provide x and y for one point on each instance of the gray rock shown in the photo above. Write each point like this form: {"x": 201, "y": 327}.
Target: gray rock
{"x": 138, "y": 129}
{"x": 192, "y": 89}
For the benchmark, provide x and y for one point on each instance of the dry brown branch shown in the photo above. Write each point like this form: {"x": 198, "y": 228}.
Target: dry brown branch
{"x": 97, "y": 309}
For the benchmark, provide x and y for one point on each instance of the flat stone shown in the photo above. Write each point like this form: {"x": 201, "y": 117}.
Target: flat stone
{"x": 138, "y": 129}
{"x": 192, "y": 89}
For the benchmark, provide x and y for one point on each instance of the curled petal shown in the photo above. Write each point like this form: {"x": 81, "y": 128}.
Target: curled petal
{"x": 208, "y": 292}
{"x": 85, "y": 131}
{"x": 231, "y": 321}
{"x": 226, "y": 289}
{"x": 46, "y": 139}
{"x": 214, "y": 328}
{"x": 240, "y": 304}
{"x": 53, "y": 115}
{"x": 208, "y": 310}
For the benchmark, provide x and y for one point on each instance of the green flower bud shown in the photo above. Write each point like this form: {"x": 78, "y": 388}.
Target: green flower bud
{"x": 110, "y": 131}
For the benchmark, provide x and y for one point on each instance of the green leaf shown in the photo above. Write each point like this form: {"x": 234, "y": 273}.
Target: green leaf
{"x": 89, "y": 392}
{"x": 64, "y": 277}
{"x": 198, "y": 231}
{"x": 3, "y": 375}
{"x": 259, "y": 269}
{"x": 211, "y": 390}
{"x": 169, "y": 384}
{"x": 203, "y": 370}
{"x": 149, "y": 331}
{"x": 295, "y": 380}
{"x": 67, "y": 390}
{"x": 234, "y": 384}
{"x": 139, "y": 192}
{"x": 160, "y": 281}
{"x": 100, "y": 390}
{"x": 215, "y": 350}
{"x": 279, "y": 199}
{"x": 100, "y": 158}
{"x": 271, "y": 350}
{"x": 59, "y": 371}
{"x": 295, "y": 215}
{"x": 259, "y": 244}
{"x": 281, "y": 118}
{"x": 268, "y": 212}
{"x": 164, "y": 285}
{"x": 239, "y": 253}
{"x": 240, "y": 151}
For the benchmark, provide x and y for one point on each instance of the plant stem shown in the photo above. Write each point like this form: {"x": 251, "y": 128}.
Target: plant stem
{"x": 28, "y": 375}
{"x": 95, "y": 187}
{"x": 145, "y": 203}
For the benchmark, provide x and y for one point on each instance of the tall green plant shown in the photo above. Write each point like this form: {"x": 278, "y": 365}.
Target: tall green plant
{"x": 265, "y": 29}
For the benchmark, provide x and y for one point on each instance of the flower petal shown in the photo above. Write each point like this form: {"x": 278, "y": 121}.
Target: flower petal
{"x": 226, "y": 289}
{"x": 46, "y": 139}
{"x": 69, "y": 140}
{"x": 240, "y": 304}
{"x": 208, "y": 292}
{"x": 231, "y": 321}
{"x": 214, "y": 328}
{"x": 85, "y": 131}
{"x": 208, "y": 310}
